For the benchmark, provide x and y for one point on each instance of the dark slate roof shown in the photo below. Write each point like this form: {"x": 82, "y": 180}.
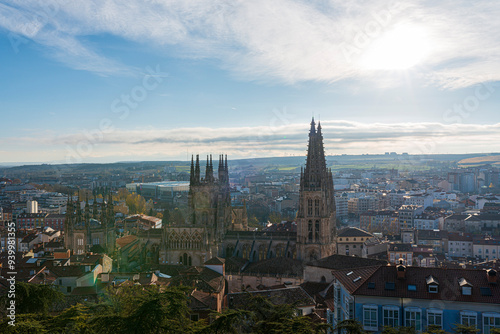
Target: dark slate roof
{"x": 277, "y": 266}
{"x": 85, "y": 259}
{"x": 172, "y": 269}
{"x": 215, "y": 261}
{"x": 295, "y": 295}
{"x": 353, "y": 232}
{"x": 234, "y": 264}
{"x": 67, "y": 271}
{"x": 401, "y": 247}
{"x": 319, "y": 291}
{"x": 432, "y": 234}
{"x": 449, "y": 287}
{"x": 202, "y": 278}
{"x": 337, "y": 262}
{"x": 54, "y": 244}
{"x": 457, "y": 217}
{"x": 459, "y": 237}
{"x": 200, "y": 300}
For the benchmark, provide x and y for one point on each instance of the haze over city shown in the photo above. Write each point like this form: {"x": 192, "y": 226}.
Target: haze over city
{"x": 123, "y": 80}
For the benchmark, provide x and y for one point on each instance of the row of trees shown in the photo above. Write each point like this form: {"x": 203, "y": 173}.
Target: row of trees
{"x": 144, "y": 310}
{"x": 152, "y": 309}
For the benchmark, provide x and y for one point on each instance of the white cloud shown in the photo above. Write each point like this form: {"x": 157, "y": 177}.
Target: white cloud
{"x": 246, "y": 142}
{"x": 288, "y": 41}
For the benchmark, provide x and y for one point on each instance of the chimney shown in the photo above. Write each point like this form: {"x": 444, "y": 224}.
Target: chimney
{"x": 401, "y": 270}
{"x": 492, "y": 276}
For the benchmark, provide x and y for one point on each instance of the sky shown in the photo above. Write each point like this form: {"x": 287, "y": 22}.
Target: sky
{"x": 126, "y": 80}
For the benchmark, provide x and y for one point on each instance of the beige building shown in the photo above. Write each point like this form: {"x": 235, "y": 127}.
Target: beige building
{"x": 350, "y": 241}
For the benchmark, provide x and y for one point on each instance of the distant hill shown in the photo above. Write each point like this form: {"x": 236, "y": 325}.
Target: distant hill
{"x": 493, "y": 159}
{"x": 283, "y": 164}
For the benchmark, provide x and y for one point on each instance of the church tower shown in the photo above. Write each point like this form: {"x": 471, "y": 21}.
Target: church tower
{"x": 316, "y": 217}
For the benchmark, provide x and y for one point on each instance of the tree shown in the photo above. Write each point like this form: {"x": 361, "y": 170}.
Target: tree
{"x": 463, "y": 329}
{"x": 433, "y": 329}
{"x": 227, "y": 322}
{"x": 275, "y": 218}
{"x": 26, "y": 324}
{"x": 36, "y": 298}
{"x": 350, "y": 326}
{"x": 122, "y": 193}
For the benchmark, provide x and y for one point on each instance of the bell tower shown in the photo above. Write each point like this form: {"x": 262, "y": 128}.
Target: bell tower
{"x": 316, "y": 217}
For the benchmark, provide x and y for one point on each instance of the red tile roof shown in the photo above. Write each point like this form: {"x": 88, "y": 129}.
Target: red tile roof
{"x": 449, "y": 287}
{"x": 352, "y": 279}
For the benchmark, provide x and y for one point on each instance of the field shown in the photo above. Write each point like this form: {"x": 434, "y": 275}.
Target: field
{"x": 478, "y": 161}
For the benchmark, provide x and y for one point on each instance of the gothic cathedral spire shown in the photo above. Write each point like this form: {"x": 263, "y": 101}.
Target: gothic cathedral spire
{"x": 316, "y": 219}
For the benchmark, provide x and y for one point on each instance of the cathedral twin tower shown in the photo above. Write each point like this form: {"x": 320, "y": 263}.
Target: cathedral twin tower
{"x": 210, "y": 208}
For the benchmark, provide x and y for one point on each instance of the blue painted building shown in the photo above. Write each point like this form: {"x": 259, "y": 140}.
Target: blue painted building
{"x": 416, "y": 297}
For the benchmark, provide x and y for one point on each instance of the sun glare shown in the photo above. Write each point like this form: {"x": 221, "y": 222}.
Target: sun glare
{"x": 401, "y": 48}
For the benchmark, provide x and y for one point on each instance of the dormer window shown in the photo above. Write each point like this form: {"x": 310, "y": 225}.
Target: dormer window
{"x": 465, "y": 286}
{"x": 433, "y": 288}
{"x": 432, "y": 284}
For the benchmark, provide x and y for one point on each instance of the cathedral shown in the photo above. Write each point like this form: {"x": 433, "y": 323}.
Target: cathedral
{"x": 90, "y": 229}
{"x": 215, "y": 228}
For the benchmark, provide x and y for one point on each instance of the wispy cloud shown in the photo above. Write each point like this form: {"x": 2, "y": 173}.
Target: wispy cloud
{"x": 244, "y": 142}
{"x": 287, "y": 41}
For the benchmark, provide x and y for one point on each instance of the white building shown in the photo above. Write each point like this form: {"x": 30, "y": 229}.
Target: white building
{"x": 428, "y": 222}
{"x": 423, "y": 200}
{"x": 460, "y": 245}
{"x": 32, "y": 206}
{"x": 486, "y": 249}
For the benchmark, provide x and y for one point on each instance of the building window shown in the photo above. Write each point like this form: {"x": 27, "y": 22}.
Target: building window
{"x": 391, "y": 316}
{"x": 435, "y": 318}
{"x": 316, "y": 207}
{"x": 433, "y": 289}
{"x": 309, "y": 207}
{"x": 310, "y": 230}
{"x": 316, "y": 231}
{"x": 468, "y": 318}
{"x": 413, "y": 318}
{"x": 466, "y": 290}
{"x": 490, "y": 320}
{"x": 370, "y": 321}
{"x": 194, "y": 317}
{"x": 80, "y": 242}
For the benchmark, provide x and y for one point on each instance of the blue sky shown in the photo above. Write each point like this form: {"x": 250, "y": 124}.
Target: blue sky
{"x": 102, "y": 81}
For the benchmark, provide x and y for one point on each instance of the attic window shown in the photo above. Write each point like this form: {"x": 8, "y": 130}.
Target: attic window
{"x": 412, "y": 287}
{"x": 371, "y": 285}
{"x": 433, "y": 288}
{"x": 390, "y": 286}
